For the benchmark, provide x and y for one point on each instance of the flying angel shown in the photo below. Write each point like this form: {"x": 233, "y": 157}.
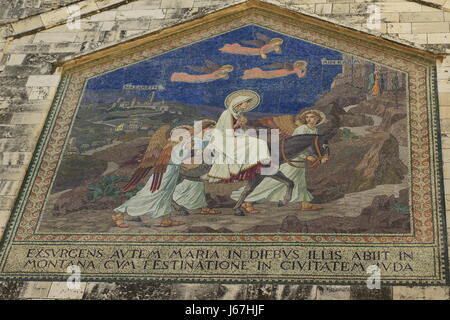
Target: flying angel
{"x": 211, "y": 71}
{"x": 279, "y": 69}
{"x": 261, "y": 46}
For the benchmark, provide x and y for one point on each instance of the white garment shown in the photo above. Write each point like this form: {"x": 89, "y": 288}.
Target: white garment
{"x": 234, "y": 151}
{"x": 190, "y": 194}
{"x": 271, "y": 190}
{"x": 156, "y": 204}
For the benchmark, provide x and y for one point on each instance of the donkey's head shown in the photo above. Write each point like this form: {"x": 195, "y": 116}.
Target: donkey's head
{"x": 324, "y": 145}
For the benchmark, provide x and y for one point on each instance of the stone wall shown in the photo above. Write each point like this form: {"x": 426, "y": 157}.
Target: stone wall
{"x": 34, "y": 35}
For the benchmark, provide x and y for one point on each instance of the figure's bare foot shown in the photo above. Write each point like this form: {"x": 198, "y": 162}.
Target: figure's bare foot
{"x": 170, "y": 223}
{"x": 248, "y": 208}
{"x": 119, "y": 220}
{"x": 209, "y": 211}
{"x": 306, "y": 206}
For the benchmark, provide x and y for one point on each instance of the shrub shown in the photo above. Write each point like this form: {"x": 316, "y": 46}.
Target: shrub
{"x": 108, "y": 187}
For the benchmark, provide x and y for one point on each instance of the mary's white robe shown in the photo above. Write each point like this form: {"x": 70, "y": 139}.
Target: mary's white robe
{"x": 234, "y": 151}
{"x": 271, "y": 190}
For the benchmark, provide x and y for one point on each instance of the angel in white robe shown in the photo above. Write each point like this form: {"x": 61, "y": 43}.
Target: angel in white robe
{"x": 191, "y": 194}
{"x": 270, "y": 190}
{"x": 164, "y": 157}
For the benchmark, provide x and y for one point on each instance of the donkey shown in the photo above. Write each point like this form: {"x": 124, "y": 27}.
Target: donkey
{"x": 288, "y": 149}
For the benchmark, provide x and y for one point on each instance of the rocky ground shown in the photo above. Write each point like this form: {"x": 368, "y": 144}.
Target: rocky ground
{"x": 270, "y": 219}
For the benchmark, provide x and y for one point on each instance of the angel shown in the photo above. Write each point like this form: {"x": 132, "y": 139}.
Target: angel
{"x": 282, "y": 69}
{"x": 156, "y": 199}
{"x": 260, "y": 47}
{"x": 270, "y": 190}
{"x": 211, "y": 71}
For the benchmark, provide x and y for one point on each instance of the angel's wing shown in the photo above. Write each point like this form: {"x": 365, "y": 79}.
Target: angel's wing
{"x": 212, "y": 65}
{"x": 254, "y": 43}
{"x": 263, "y": 37}
{"x": 209, "y": 67}
{"x": 280, "y": 65}
{"x": 285, "y": 124}
{"x": 201, "y": 69}
{"x": 156, "y": 157}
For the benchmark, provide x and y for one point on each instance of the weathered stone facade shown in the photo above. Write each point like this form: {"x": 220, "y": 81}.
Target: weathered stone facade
{"x": 35, "y": 37}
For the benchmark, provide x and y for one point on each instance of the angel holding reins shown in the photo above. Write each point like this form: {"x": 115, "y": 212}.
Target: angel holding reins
{"x": 270, "y": 190}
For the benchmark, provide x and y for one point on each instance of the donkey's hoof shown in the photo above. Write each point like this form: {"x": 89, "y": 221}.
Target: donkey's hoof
{"x": 183, "y": 213}
{"x": 239, "y": 212}
{"x": 282, "y": 203}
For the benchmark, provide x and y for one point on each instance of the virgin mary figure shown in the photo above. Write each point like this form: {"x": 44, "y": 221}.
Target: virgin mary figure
{"x": 238, "y": 155}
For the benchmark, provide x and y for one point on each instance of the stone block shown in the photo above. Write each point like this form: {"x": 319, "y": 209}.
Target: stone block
{"x": 323, "y": 8}
{"x": 430, "y": 27}
{"x": 15, "y": 59}
{"x": 103, "y": 16}
{"x": 153, "y": 14}
{"x": 341, "y": 8}
{"x": 422, "y": 17}
{"x": 172, "y": 4}
{"x": 36, "y": 290}
{"x": 43, "y": 80}
{"x": 101, "y": 4}
{"x": 4, "y": 217}
{"x": 330, "y": 293}
{"x": 420, "y": 38}
{"x": 9, "y": 187}
{"x": 60, "y": 290}
{"x": 53, "y": 37}
{"x": 28, "y": 24}
{"x": 420, "y": 293}
{"x": 400, "y": 6}
{"x": 438, "y": 38}
{"x": 398, "y": 27}
{"x": 55, "y": 16}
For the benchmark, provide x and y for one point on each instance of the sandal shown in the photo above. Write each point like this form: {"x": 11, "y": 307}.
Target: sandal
{"x": 209, "y": 211}
{"x": 248, "y": 208}
{"x": 171, "y": 223}
{"x": 311, "y": 208}
{"x": 120, "y": 221}
{"x": 117, "y": 217}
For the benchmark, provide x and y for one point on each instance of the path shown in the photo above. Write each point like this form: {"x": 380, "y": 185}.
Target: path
{"x": 363, "y": 130}
{"x": 91, "y": 152}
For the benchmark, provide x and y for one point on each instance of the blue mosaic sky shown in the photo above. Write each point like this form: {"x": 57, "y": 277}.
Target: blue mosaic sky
{"x": 280, "y": 95}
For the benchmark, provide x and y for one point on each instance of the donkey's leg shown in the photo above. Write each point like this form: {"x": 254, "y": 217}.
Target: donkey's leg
{"x": 181, "y": 211}
{"x": 251, "y": 185}
{"x": 279, "y": 176}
